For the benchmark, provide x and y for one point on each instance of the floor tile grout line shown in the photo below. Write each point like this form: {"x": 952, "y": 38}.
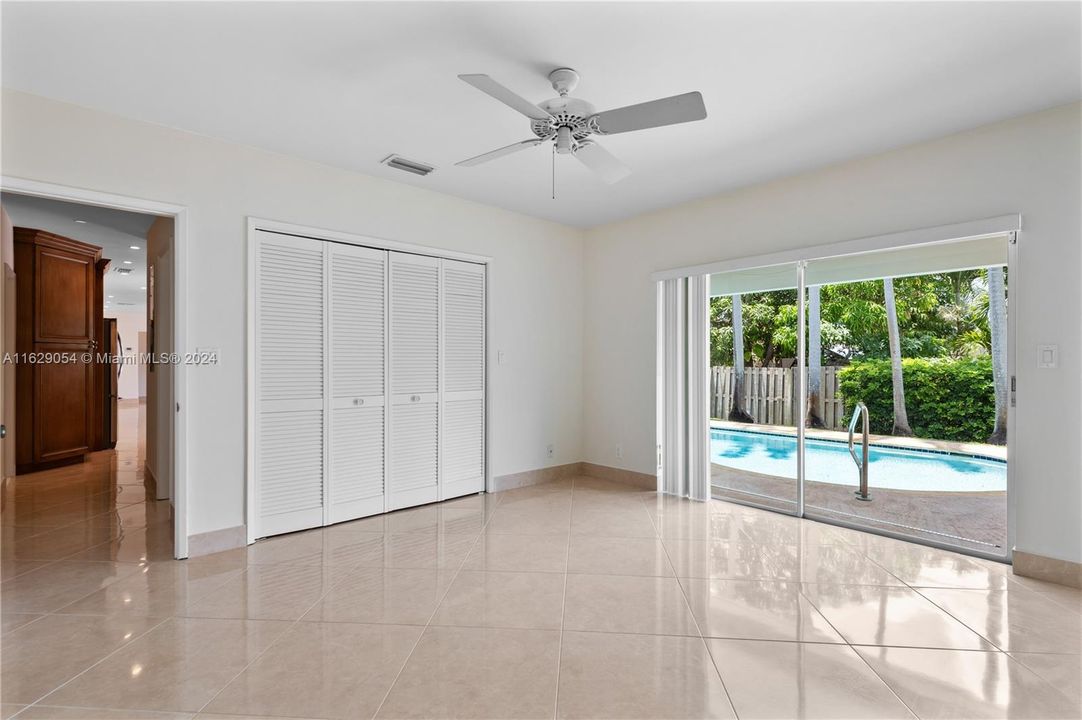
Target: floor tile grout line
{"x": 691, "y": 613}
{"x": 563, "y": 604}
{"x": 271, "y": 645}
{"x": 855, "y": 652}
{"x": 954, "y": 617}
{"x": 486, "y": 518}
{"x": 93, "y": 665}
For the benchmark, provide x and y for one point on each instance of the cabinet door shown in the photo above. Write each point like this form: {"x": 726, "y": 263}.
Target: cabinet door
{"x": 413, "y": 470}
{"x": 358, "y": 349}
{"x": 63, "y": 405}
{"x": 462, "y": 435}
{"x": 289, "y": 329}
{"x": 64, "y": 296}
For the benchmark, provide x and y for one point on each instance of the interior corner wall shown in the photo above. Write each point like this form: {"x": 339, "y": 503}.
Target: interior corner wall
{"x": 1028, "y": 165}
{"x": 535, "y": 288}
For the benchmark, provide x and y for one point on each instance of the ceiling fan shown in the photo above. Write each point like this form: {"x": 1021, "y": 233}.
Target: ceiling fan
{"x": 569, "y": 122}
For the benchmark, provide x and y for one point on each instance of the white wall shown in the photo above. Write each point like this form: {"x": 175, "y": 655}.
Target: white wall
{"x": 1029, "y": 165}
{"x": 132, "y": 377}
{"x": 536, "y": 274}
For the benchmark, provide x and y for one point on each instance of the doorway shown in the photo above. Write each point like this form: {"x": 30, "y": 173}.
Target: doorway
{"x": 123, "y": 464}
{"x": 871, "y": 390}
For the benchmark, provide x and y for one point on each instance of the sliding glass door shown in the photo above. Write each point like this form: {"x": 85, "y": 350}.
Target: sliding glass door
{"x": 754, "y": 318}
{"x": 901, "y": 421}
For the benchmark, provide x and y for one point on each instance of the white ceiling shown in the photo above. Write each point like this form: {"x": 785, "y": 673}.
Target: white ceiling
{"x": 788, "y": 87}
{"x": 114, "y": 231}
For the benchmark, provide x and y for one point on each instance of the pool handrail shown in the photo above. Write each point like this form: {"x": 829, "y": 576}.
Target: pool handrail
{"x": 861, "y": 410}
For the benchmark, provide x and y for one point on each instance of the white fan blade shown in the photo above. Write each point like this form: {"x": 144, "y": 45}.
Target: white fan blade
{"x": 514, "y": 101}
{"x": 602, "y": 162}
{"x": 656, "y": 113}
{"x": 500, "y": 153}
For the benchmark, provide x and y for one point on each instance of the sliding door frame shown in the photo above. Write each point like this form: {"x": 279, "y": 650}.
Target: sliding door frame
{"x": 315, "y": 233}
{"x": 1003, "y": 225}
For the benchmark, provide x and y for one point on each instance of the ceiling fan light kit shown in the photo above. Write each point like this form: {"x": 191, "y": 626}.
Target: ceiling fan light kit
{"x": 569, "y": 122}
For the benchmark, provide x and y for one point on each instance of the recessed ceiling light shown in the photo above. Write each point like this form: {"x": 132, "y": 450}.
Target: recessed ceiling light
{"x": 143, "y": 288}
{"x": 81, "y": 222}
{"x": 133, "y": 247}
{"x": 127, "y": 262}
{"x": 110, "y": 297}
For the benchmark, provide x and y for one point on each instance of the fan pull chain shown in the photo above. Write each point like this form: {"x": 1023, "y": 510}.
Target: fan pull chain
{"x": 554, "y": 171}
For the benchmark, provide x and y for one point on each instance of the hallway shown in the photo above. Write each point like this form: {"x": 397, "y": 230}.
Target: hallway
{"x": 81, "y": 525}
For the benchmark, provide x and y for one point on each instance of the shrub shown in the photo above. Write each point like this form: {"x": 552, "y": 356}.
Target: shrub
{"x": 945, "y": 399}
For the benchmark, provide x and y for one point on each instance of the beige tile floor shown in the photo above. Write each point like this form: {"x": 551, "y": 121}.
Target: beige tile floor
{"x": 577, "y": 599}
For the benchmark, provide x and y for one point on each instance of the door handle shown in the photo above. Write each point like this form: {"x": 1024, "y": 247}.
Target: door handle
{"x": 3, "y": 431}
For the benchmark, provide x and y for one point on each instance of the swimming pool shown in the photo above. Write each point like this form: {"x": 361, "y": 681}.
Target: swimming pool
{"x": 829, "y": 462}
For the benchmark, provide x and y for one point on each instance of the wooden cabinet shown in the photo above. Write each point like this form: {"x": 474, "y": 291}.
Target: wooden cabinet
{"x": 57, "y": 404}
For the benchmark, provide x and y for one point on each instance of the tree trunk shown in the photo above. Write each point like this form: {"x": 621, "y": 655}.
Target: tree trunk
{"x": 997, "y": 324}
{"x": 901, "y": 420}
{"x": 815, "y": 361}
{"x": 737, "y": 412}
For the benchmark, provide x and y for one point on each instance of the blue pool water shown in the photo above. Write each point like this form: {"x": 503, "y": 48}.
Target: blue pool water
{"x": 830, "y": 462}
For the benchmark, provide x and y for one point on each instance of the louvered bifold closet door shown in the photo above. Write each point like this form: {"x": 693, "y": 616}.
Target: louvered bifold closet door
{"x": 289, "y": 331}
{"x": 358, "y": 348}
{"x": 462, "y": 436}
{"x": 413, "y": 458}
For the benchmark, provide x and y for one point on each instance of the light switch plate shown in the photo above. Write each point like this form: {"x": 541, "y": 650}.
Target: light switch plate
{"x": 1047, "y": 356}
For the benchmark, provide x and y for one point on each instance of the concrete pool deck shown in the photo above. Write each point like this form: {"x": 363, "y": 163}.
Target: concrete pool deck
{"x": 970, "y": 520}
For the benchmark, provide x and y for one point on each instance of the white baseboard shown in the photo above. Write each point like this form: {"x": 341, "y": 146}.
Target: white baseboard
{"x": 216, "y": 541}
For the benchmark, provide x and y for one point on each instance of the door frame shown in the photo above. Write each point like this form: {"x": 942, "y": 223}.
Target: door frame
{"x": 179, "y": 214}
{"x": 256, "y": 224}
{"x": 1007, "y": 225}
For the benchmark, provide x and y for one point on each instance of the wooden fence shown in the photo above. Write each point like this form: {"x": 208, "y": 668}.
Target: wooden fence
{"x": 770, "y": 395}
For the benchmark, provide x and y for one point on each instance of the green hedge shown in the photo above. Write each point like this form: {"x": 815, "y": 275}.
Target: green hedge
{"x": 945, "y": 399}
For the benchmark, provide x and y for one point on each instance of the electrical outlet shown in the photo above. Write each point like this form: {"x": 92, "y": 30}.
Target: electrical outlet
{"x": 619, "y": 451}
{"x": 551, "y": 449}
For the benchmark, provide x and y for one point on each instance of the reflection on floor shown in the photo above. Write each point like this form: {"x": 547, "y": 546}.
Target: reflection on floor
{"x": 575, "y": 599}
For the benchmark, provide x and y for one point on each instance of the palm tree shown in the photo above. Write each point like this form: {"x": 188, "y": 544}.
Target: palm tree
{"x": 815, "y": 360}
{"x": 737, "y": 412}
{"x": 997, "y": 326}
{"x": 901, "y": 421}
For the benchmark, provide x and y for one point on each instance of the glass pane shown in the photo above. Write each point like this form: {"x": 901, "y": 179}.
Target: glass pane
{"x": 754, "y": 399}
{"x": 925, "y": 353}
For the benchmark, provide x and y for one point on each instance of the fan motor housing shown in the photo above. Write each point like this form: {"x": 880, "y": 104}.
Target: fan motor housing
{"x": 566, "y": 112}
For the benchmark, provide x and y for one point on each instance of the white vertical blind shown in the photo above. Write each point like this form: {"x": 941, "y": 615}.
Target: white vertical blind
{"x": 673, "y": 304}
{"x": 698, "y": 387}
{"x": 684, "y": 357}
{"x": 462, "y": 436}
{"x": 289, "y": 383}
{"x": 413, "y": 473}
{"x": 357, "y": 324}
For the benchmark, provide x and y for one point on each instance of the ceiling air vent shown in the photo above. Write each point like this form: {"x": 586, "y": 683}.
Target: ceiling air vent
{"x": 411, "y": 166}
{"x": 122, "y": 270}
